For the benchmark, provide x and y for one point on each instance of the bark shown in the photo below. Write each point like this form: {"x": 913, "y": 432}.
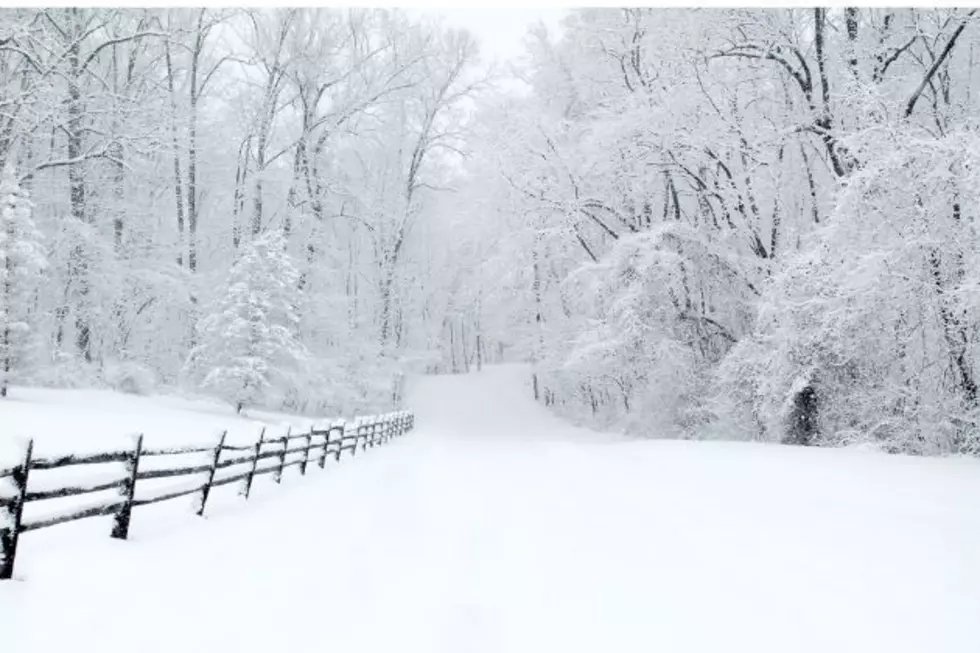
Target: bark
{"x": 777, "y": 216}
{"x": 803, "y": 417}
{"x": 538, "y": 311}
{"x": 452, "y": 347}
{"x": 5, "y": 341}
{"x": 390, "y": 261}
{"x": 954, "y": 332}
{"x": 178, "y": 175}
{"x": 78, "y": 263}
{"x": 292, "y": 197}
{"x": 851, "y": 22}
{"x": 192, "y": 207}
{"x": 825, "y": 122}
{"x": 811, "y": 184}
{"x": 241, "y": 179}
{"x": 479, "y": 352}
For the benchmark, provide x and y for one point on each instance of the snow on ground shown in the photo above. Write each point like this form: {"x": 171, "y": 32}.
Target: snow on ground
{"x": 72, "y": 421}
{"x": 495, "y": 527}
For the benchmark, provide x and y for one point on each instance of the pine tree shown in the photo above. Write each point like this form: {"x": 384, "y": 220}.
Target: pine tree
{"x": 21, "y": 261}
{"x": 248, "y": 339}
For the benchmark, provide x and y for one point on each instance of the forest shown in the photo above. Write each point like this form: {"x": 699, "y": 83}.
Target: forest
{"x": 692, "y": 223}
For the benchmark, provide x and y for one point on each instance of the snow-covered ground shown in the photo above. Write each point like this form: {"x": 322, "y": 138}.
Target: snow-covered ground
{"x": 496, "y": 527}
{"x": 72, "y": 421}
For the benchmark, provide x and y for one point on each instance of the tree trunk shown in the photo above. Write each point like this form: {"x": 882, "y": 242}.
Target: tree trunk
{"x": 389, "y": 262}
{"x": 825, "y": 122}
{"x": 851, "y": 19}
{"x": 803, "y": 417}
{"x": 241, "y": 179}
{"x": 6, "y": 317}
{"x": 479, "y": 352}
{"x": 954, "y": 331}
{"x": 811, "y": 184}
{"x": 78, "y": 263}
{"x": 178, "y": 175}
{"x": 192, "y": 208}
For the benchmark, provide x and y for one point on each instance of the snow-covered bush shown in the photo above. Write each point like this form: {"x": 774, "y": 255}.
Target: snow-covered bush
{"x": 64, "y": 370}
{"x": 129, "y": 377}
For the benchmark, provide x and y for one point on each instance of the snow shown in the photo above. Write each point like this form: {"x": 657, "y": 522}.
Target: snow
{"x": 496, "y": 527}
{"x": 75, "y": 421}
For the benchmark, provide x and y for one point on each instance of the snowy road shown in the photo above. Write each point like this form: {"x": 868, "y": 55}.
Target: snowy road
{"x": 495, "y": 527}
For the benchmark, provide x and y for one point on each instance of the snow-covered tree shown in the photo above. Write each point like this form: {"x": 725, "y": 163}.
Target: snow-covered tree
{"x": 22, "y": 259}
{"x": 663, "y": 202}
{"x": 870, "y": 334}
{"x": 249, "y": 351}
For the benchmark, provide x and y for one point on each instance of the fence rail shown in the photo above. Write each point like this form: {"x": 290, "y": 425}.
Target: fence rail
{"x": 321, "y": 443}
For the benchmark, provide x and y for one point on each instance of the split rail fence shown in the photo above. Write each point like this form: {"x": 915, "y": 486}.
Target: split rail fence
{"x": 245, "y": 462}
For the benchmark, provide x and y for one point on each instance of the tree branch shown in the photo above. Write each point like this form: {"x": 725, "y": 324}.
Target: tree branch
{"x": 910, "y": 107}
{"x": 116, "y": 41}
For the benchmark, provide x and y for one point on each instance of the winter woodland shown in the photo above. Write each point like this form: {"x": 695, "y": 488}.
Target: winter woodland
{"x": 694, "y": 223}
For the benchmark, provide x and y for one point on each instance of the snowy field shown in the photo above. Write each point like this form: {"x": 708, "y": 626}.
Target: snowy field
{"x": 496, "y": 527}
{"x": 72, "y": 421}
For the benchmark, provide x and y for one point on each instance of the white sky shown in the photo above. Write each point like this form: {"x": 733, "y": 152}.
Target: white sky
{"x": 500, "y": 31}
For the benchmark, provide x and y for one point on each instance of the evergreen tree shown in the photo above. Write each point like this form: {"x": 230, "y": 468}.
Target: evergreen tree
{"x": 21, "y": 260}
{"x": 248, "y": 346}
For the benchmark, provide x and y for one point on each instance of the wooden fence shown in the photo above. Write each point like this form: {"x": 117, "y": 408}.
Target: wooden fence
{"x": 244, "y": 462}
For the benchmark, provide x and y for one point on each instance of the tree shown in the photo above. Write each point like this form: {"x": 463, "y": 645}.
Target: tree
{"x": 265, "y": 116}
{"x": 663, "y": 192}
{"x": 870, "y": 334}
{"x": 22, "y": 259}
{"x": 425, "y": 127}
{"x": 249, "y": 349}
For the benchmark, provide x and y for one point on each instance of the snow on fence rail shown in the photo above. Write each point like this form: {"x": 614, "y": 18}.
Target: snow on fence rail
{"x": 249, "y": 459}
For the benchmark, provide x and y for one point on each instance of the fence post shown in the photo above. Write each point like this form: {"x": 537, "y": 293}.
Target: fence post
{"x": 282, "y": 456}
{"x": 120, "y": 524}
{"x": 306, "y": 454}
{"x": 342, "y": 427}
{"x": 9, "y": 534}
{"x": 326, "y": 445}
{"x": 255, "y": 461}
{"x": 206, "y": 490}
{"x": 358, "y": 434}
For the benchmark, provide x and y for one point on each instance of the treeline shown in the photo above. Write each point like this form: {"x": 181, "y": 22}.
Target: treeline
{"x": 153, "y": 157}
{"x": 743, "y": 223}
